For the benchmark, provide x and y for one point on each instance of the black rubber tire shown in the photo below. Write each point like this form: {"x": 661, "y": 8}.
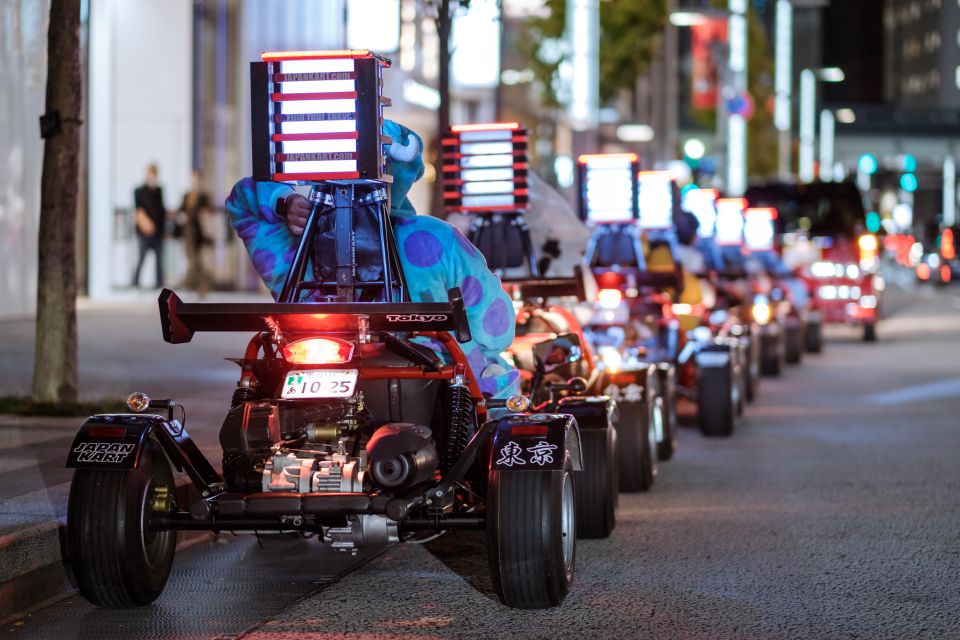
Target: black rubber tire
{"x": 751, "y": 369}
{"x": 869, "y": 333}
{"x": 668, "y": 406}
{"x": 525, "y": 536}
{"x": 813, "y": 337}
{"x": 115, "y": 559}
{"x": 597, "y": 484}
{"x": 793, "y": 344}
{"x": 771, "y": 356}
{"x": 638, "y": 459}
{"x": 717, "y": 413}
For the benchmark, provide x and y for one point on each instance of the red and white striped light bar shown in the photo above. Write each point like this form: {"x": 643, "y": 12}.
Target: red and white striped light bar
{"x": 318, "y": 115}
{"x": 702, "y": 203}
{"x": 759, "y": 232}
{"x": 485, "y": 168}
{"x": 655, "y": 200}
{"x": 730, "y": 221}
{"x": 608, "y": 187}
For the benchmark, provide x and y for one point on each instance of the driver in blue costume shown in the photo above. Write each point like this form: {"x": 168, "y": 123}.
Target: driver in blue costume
{"x": 434, "y": 255}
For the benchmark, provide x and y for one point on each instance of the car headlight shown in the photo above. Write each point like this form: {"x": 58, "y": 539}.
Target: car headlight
{"x": 821, "y": 269}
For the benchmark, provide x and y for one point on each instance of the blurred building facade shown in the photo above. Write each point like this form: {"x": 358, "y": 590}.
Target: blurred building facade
{"x": 168, "y": 83}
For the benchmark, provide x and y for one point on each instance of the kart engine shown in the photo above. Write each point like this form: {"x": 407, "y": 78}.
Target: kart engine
{"x": 316, "y": 449}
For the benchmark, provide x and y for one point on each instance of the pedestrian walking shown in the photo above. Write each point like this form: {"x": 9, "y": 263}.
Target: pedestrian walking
{"x": 150, "y": 218}
{"x": 193, "y": 210}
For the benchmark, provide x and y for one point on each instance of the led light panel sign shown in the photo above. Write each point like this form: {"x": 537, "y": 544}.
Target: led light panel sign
{"x": 655, "y": 199}
{"x": 485, "y": 168}
{"x": 758, "y": 228}
{"x": 702, "y": 203}
{"x": 608, "y": 188}
{"x": 730, "y": 221}
{"x": 318, "y": 115}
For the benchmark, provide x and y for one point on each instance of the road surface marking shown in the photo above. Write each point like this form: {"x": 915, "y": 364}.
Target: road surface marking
{"x": 918, "y": 393}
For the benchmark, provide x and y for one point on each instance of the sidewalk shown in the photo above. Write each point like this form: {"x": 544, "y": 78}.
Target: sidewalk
{"x": 120, "y": 350}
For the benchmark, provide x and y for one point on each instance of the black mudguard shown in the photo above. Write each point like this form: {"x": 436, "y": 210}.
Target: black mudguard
{"x": 535, "y": 442}
{"x": 591, "y": 412}
{"x": 111, "y": 441}
{"x": 115, "y": 441}
{"x": 716, "y": 355}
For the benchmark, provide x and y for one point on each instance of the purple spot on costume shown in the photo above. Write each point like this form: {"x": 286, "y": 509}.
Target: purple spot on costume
{"x": 472, "y": 291}
{"x": 497, "y": 319}
{"x": 422, "y": 249}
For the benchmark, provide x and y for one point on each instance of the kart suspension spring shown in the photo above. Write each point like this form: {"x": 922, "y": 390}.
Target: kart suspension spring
{"x": 461, "y": 426}
{"x": 243, "y": 394}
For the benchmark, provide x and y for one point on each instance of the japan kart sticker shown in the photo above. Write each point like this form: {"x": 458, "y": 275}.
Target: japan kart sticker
{"x": 542, "y": 453}
{"x": 112, "y": 452}
{"x": 510, "y": 455}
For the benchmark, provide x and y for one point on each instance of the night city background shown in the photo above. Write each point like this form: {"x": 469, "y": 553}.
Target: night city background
{"x": 729, "y": 223}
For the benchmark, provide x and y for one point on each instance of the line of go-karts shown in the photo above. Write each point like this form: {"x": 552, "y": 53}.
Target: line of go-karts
{"x": 346, "y": 427}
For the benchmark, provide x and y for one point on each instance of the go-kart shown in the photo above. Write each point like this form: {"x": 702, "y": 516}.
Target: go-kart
{"x": 627, "y": 208}
{"x": 691, "y": 360}
{"x": 341, "y": 426}
{"x": 553, "y": 364}
{"x": 639, "y": 392}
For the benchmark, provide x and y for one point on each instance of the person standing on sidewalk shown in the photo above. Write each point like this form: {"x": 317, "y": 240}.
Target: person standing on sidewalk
{"x": 151, "y": 217}
{"x": 195, "y": 207}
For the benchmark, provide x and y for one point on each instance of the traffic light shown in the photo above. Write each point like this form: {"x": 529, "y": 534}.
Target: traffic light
{"x": 867, "y": 164}
{"x": 908, "y": 182}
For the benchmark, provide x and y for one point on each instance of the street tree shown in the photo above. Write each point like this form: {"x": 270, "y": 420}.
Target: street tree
{"x": 629, "y": 37}
{"x": 55, "y": 358}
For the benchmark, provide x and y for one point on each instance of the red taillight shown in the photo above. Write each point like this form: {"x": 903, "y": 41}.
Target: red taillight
{"x": 945, "y": 274}
{"x": 947, "y": 248}
{"x": 529, "y": 430}
{"x": 318, "y": 351}
{"x": 107, "y": 432}
{"x": 923, "y": 271}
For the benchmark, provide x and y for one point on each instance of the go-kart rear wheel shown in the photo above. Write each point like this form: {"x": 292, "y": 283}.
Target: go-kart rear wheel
{"x": 717, "y": 401}
{"x": 751, "y": 370}
{"x": 667, "y": 404}
{"x": 637, "y": 445}
{"x": 793, "y": 344}
{"x": 597, "y": 484}
{"x": 814, "y": 337}
{"x": 870, "y": 333}
{"x": 771, "y": 356}
{"x": 116, "y": 557}
{"x": 531, "y": 535}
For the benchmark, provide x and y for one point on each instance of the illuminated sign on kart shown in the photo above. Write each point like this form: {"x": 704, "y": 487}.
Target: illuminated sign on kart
{"x": 608, "y": 188}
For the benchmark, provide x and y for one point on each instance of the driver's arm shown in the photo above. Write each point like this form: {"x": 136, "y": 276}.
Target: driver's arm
{"x": 253, "y": 215}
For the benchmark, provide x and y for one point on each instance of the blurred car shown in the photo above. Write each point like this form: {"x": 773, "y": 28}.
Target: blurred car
{"x": 824, "y": 239}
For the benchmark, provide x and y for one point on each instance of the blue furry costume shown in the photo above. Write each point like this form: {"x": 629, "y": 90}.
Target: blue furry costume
{"x": 435, "y": 257}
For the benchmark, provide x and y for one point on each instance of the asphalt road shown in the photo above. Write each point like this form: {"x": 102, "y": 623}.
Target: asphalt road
{"x": 831, "y": 513}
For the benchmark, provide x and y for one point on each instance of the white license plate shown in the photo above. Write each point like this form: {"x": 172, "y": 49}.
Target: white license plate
{"x": 320, "y": 383}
